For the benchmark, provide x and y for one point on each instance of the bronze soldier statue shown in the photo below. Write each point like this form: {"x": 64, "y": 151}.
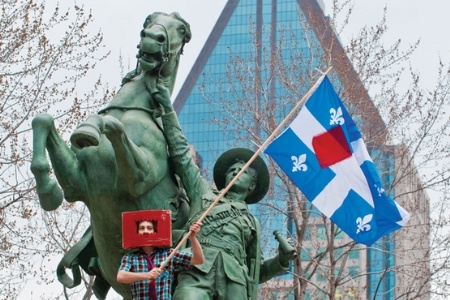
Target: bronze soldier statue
{"x": 230, "y": 236}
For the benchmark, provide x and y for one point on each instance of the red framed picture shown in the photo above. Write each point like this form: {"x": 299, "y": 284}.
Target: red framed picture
{"x": 162, "y": 228}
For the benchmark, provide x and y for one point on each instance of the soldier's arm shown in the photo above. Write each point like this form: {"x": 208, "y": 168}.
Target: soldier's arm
{"x": 280, "y": 262}
{"x": 271, "y": 268}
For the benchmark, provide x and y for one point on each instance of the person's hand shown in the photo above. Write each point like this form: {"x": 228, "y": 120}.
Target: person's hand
{"x": 162, "y": 96}
{"x": 153, "y": 274}
{"x": 286, "y": 253}
{"x": 195, "y": 228}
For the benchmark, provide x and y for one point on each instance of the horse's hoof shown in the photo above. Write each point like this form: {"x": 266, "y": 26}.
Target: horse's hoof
{"x": 88, "y": 133}
{"x": 84, "y": 138}
{"x": 50, "y": 195}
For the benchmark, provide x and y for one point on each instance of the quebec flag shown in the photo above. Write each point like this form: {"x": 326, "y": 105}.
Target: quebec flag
{"x": 323, "y": 153}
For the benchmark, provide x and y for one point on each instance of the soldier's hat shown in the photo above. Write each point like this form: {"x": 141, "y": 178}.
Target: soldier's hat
{"x": 230, "y": 157}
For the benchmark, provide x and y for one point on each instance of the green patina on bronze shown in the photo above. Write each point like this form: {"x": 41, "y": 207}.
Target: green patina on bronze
{"x": 118, "y": 159}
{"x": 230, "y": 235}
{"x": 118, "y": 162}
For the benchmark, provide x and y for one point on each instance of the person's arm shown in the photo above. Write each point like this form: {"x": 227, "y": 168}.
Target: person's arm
{"x": 130, "y": 277}
{"x": 280, "y": 262}
{"x": 197, "y": 252}
{"x": 180, "y": 153}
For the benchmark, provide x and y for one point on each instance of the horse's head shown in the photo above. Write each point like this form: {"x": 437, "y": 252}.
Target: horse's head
{"x": 162, "y": 42}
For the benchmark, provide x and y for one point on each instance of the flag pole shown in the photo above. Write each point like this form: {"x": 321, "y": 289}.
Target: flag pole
{"x": 250, "y": 161}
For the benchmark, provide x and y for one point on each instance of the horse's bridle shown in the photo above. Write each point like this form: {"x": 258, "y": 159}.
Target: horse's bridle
{"x": 166, "y": 55}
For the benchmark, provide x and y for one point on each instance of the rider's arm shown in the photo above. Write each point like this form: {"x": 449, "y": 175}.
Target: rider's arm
{"x": 180, "y": 153}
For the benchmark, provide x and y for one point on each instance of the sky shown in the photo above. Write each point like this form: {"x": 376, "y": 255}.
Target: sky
{"x": 121, "y": 23}
{"x": 408, "y": 20}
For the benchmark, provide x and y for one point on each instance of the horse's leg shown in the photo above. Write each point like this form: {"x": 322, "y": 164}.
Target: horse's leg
{"x": 133, "y": 162}
{"x": 140, "y": 168}
{"x": 49, "y": 193}
{"x": 63, "y": 160}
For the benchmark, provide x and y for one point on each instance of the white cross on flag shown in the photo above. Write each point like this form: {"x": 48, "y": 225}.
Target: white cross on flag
{"x": 323, "y": 153}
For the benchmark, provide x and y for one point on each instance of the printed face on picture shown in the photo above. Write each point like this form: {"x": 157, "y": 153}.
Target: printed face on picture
{"x": 146, "y": 227}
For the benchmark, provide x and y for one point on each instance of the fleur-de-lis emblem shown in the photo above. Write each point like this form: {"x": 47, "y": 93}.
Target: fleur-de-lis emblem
{"x": 336, "y": 116}
{"x": 380, "y": 190}
{"x": 363, "y": 223}
{"x": 298, "y": 163}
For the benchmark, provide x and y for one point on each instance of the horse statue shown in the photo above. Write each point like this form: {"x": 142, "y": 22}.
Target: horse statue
{"x": 118, "y": 159}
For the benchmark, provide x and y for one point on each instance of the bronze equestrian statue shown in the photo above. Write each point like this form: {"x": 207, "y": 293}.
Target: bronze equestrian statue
{"x": 118, "y": 161}
{"x": 118, "y": 158}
